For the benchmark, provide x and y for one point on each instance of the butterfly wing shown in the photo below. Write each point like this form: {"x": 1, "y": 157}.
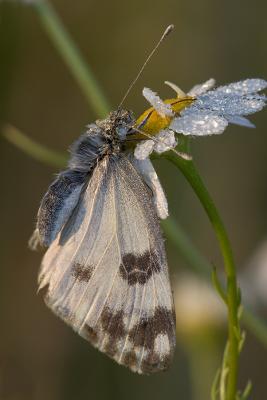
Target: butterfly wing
{"x": 106, "y": 273}
{"x": 63, "y": 194}
{"x": 57, "y": 206}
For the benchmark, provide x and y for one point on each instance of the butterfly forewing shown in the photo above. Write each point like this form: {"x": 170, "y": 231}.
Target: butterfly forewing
{"x": 106, "y": 272}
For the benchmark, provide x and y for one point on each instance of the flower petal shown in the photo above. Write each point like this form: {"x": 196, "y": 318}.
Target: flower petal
{"x": 165, "y": 141}
{"x": 246, "y": 86}
{"x": 144, "y": 149}
{"x": 201, "y": 88}
{"x": 163, "y": 109}
{"x": 239, "y": 120}
{"x": 199, "y": 123}
{"x": 230, "y": 104}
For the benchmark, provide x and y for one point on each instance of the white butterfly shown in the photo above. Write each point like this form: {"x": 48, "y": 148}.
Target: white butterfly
{"x": 105, "y": 271}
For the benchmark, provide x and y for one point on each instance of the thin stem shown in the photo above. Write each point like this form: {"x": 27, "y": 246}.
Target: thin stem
{"x": 32, "y": 148}
{"x": 189, "y": 171}
{"x": 72, "y": 57}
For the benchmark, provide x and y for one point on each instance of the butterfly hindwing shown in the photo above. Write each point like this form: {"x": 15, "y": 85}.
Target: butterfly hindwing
{"x": 106, "y": 273}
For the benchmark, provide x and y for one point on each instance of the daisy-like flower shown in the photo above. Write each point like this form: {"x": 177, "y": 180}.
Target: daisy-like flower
{"x": 202, "y": 111}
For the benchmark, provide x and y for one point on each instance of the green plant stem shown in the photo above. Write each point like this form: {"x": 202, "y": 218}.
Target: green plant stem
{"x": 72, "y": 57}
{"x": 32, "y": 148}
{"x": 189, "y": 171}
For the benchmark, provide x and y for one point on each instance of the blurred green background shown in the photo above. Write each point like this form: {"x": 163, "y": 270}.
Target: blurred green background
{"x": 40, "y": 357}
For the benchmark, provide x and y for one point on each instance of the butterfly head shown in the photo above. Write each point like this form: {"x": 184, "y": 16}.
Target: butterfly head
{"x": 117, "y": 124}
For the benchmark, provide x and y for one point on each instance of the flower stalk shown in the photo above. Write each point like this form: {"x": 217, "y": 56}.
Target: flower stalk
{"x": 33, "y": 149}
{"x": 233, "y": 302}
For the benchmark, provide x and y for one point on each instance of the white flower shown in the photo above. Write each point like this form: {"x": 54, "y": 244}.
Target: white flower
{"x": 210, "y": 112}
{"x": 164, "y": 141}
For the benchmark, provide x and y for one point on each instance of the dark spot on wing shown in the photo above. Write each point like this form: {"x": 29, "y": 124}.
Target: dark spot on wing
{"x": 154, "y": 362}
{"x": 130, "y": 359}
{"x": 81, "y": 272}
{"x": 112, "y": 323}
{"x": 139, "y": 268}
{"x": 146, "y": 330}
{"x": 144, "y": 333}
{"x": 110, "y": 347}
{"x": 90, "y": 334}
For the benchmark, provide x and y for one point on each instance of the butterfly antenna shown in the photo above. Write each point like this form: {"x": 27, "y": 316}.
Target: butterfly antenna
{"x": 167, "y": 31}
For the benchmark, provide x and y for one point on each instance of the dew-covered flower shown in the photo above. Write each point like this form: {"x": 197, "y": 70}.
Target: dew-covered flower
{"x": 202, "y": 111}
